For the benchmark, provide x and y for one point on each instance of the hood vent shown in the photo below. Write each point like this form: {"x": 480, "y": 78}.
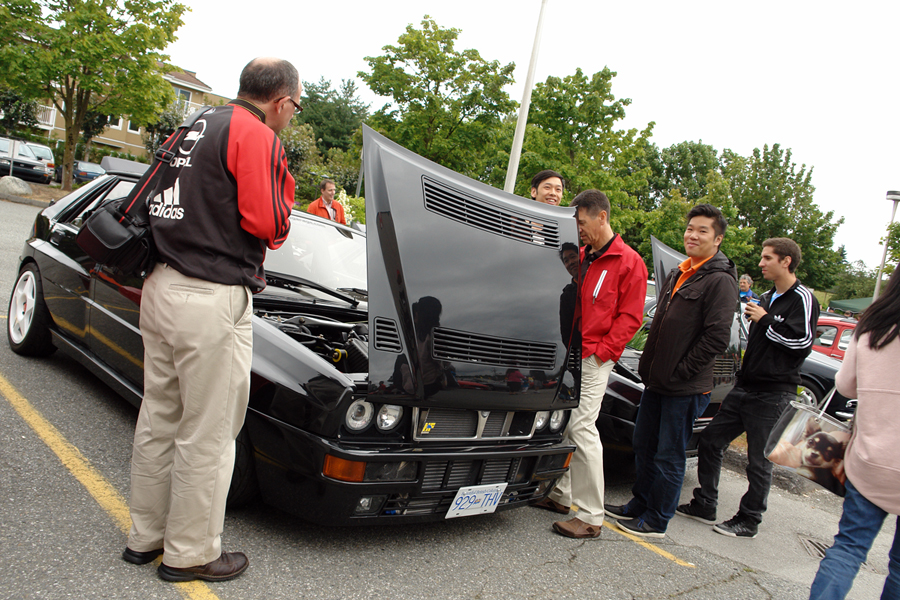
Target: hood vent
{"x": 387, "y": 338}
{"x": 478, "y": 213}
{"x": 488, "y": 350}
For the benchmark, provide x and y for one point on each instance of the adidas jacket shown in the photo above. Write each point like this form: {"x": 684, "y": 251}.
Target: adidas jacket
{"x": 225, "y": 198}
{"x": 778, "y": 343}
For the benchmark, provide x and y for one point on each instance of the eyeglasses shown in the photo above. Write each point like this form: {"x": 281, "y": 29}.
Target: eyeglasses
{"x": 297, "y": 108}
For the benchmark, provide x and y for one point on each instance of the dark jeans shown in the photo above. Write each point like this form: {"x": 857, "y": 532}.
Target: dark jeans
{"x": 663, "y": 428}
{"x": 753, "y": 412}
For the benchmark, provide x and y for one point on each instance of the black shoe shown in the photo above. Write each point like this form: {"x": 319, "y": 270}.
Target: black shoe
{"x": 639, "y": 528}
{"x": 698, "y": 513}
{"x": 617, "y": 511}
{"x": 228, "y": 566}
{"x": 140, "y": 558}
{"x": 737, "y": 526}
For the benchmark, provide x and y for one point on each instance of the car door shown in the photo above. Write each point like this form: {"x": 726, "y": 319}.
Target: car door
{"x": 826, "y": 338}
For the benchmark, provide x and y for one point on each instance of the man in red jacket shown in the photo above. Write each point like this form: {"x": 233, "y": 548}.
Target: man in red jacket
{"x": 610, "y": 304}
{"x": 325, "y": 205}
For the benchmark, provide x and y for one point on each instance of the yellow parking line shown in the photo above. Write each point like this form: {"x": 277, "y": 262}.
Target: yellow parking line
{"x": 103, "y": 492}
{"x": 650, "y": 546}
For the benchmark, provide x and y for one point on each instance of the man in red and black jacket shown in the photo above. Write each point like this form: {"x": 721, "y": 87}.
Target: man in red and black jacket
{"x": 225, "y": 197}
{"x": 610, "y": 305}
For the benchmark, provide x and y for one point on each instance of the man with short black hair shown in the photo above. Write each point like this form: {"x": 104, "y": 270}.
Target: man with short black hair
{"x": 691, "y": 326}
{"x": 234, "y": 198}
{"x": 781, "y": 335}
{"x": 611, "y": 303}
{"x": 547, "y": 187}
{"x": 326, "y": 206}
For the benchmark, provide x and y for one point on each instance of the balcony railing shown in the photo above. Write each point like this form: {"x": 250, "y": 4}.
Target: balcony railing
{"x": 46, "y": 116}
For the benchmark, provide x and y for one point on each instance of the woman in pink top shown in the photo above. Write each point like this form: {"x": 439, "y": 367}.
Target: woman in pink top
{"x": 872, "y": 460}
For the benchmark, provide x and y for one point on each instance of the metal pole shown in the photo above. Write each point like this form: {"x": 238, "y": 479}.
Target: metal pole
{"x": 895, "y": 198}
{"x": 513, "y": 168}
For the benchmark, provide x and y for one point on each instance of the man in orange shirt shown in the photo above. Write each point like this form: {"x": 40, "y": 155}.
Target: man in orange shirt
{"x": 691, "y": 326}
{"x": 325, "y": 205}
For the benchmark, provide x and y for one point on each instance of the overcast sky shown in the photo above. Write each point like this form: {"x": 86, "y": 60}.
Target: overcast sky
{"x": 820, "y": 78}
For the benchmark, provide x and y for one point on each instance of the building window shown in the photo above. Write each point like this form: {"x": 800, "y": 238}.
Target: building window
{"x": 115, "y": 123}
{"x": 133, "y": 127}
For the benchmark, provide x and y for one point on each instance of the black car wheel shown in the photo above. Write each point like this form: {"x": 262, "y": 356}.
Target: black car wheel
{"x": 244, "y": 487}
{"x": 809, "y": 393}
{"x": 29, "y": 319}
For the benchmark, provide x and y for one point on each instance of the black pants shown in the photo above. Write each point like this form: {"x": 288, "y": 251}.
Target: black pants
{"x": 753, "y": 412}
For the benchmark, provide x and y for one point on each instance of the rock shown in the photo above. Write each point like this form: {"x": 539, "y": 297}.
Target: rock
{"x": 14, "y": 186}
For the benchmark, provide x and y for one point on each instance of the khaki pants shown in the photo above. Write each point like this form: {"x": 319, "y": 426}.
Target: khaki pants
{"x": 583, "y": 484}
{"x": 198, "y": 345}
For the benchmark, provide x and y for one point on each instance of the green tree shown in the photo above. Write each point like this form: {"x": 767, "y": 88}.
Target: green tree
{"x": 446, "y": 105}
{"x": 892, "y": 239}
{"x": 853, "y": 281}
{"x": 94, "y": 124}
{"x": 17, "y": 111}
{"x": 775, "y": 198}
{"x": 99, "y": 55}
{"x": 685, "y": 166}
{"x": 304, "y": 161}
{"x": 159, "y": 130}
{"x": 333, "y": 114}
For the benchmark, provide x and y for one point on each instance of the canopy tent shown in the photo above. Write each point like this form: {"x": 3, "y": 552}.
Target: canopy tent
{"x": 854, "y": 305}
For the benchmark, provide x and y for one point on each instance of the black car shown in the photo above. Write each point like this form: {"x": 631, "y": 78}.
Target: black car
{"x": 380, "y": 387}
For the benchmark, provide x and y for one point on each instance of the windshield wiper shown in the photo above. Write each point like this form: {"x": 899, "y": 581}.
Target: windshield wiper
{"x": 290, "y": 282}
{"x": 359, "y": 291}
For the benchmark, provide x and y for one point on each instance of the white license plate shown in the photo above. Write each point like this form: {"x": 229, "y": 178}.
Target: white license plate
{"x": 476, "y": 500}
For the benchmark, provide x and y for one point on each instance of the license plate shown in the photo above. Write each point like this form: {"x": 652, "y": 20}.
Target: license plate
{"x": 476, "y": 500}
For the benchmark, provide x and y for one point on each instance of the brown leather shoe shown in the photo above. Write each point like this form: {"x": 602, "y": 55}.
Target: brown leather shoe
{"x": 228, "y": 566}
{"x": 548, "y": 504}
{"x": 576, "y": 528}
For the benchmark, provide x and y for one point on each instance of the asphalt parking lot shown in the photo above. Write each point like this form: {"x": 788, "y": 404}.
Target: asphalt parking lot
{"x": 64, "y": 477}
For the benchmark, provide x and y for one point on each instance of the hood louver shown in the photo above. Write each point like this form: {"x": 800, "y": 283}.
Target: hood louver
{"x": 488, "y": 350}
{"x": 387, "y": 338}
{"x": 476, "y": 212}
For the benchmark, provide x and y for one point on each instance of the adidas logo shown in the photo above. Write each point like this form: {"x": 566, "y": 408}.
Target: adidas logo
{"x": 166, "y": 205}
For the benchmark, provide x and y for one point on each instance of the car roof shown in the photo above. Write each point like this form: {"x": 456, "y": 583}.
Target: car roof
{"x": 833, "y": 319}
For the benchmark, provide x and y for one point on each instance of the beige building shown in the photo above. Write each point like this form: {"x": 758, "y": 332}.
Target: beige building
{"x": 123, "y": 135}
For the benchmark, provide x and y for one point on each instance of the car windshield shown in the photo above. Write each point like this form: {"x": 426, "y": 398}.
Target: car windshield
{"x": 318, "y": 251}
{"x": 42, "y": 152}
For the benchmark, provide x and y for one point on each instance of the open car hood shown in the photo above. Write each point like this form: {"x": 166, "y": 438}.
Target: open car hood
{"x": 464, "y": 283}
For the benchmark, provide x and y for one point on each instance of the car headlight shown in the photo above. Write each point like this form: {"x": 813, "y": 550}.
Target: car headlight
{"x": 359, "y": 415}
{"x": 388, "y": 417}
{"x": 540, "y": 419}
{"x": 557, "y": 419}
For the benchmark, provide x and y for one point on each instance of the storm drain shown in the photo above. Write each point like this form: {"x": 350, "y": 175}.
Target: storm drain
{"x": 817, "y": 548}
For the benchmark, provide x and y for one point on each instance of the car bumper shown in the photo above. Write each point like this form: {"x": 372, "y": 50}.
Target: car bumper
{"x": 289, "y": 465}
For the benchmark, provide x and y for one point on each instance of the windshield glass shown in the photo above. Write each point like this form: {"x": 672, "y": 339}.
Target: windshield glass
{"x": 90, "y": 167}
{"x": 331, "y": 256}
{"x": 42, "y": 152}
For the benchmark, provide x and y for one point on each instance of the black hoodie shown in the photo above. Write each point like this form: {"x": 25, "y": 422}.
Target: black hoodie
{"x": 690, "y": 329}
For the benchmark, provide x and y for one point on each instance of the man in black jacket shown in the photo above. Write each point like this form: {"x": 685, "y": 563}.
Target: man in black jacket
{"x": 691, "y": 326}
{"x": 781, "y": 336}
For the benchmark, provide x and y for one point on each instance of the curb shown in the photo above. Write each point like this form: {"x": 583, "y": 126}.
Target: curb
{"x": 21, "y": 200}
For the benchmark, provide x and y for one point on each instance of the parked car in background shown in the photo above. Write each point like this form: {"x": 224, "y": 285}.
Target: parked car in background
{"x": 378, "y": 386}
{"x": 833, "y": 335}
{"x": 25, "y": 165}
{"x": 82, "y": 172}
{"x": 45, "y": 155}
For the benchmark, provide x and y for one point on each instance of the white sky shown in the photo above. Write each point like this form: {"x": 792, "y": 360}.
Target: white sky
{"x": 819, "y": 78}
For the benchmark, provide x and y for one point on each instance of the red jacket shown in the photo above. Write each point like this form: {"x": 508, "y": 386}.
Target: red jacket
{"x": 318, "y": 208}
{"x": 612, "y": 309}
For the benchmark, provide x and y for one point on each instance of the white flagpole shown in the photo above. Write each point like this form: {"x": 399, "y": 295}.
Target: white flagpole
{"x": 516, "y": 151}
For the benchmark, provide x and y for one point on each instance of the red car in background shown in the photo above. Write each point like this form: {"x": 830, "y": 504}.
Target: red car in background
{"x": 833, "y": 335}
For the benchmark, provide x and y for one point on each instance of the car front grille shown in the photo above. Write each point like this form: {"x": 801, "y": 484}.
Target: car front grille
{"x": 445, "y": 424}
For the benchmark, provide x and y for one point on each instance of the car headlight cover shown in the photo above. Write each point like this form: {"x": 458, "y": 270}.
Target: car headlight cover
{"x": 359, "y": 415}
{"x": 557, "y": 419}
{"x": 540, "y": 419}
{"x": 388, "y": 417}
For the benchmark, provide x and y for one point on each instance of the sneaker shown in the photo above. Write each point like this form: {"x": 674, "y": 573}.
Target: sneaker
{"x": 617, "y": 511}
{"x": 640, "y": 528}
{"x": 737, "y": 526}
{"x": 694, "y": 511}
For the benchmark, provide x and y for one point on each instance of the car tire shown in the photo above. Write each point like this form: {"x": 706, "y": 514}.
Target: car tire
{"x": 244, "y": 486}
{"x": 28, "y": 327}
{"x": 809, "y": 393}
